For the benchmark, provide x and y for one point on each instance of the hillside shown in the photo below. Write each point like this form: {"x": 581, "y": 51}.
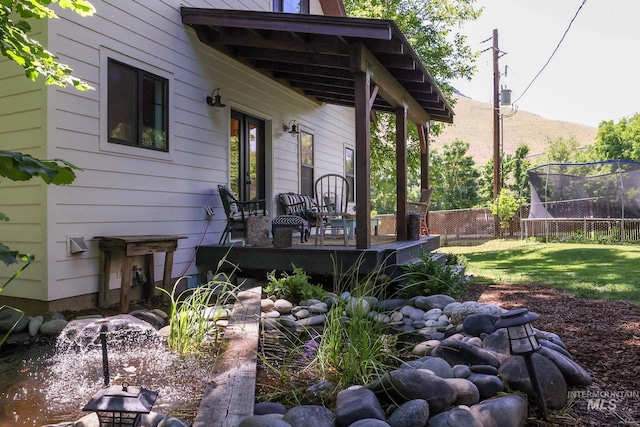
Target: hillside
{"x": 473, "y": 123}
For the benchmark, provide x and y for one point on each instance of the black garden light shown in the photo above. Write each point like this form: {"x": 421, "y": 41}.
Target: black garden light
{"x": 119, "y": 405}
{"x": 523, "y": 342}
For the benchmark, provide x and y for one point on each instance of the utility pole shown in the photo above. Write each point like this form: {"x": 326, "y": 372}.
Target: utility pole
{"x": 496, "y": 117}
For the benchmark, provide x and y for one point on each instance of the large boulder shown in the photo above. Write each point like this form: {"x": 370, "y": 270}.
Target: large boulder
{"x": 573, "y": 373}
{"x": 478, "y": 324}
{"x": 552, "y": 383}
{"x": 458, "y": 352}
{"x": 504, "y": 411}
{"x": 409, "y": 384}
{"x": 355, "y": 404}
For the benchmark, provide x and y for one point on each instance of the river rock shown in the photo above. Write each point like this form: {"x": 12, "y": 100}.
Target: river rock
{"x": 318, "y": 319}
{"x": 505, "y": 411}
{"x": 409, "y": 384}
{"x": 414, "y": 413}
{"x": 263, "y": 421}
{"x": 172, "y": 422}
{"x": 573, "y": 373}
{"x": 478, "y": 324}
{"x": 461, "y": 371}
{"x": 53, "y": 328}
{"x": 12, "y": 320}
{"x": 287, "y": 320}
{"x": 553, "y": 346}
{"x": 466, "y": 392}
{"x": 438, "y": 366}
{"x": 425, "y": 348}
{"x": 282, "y": 306}
{"x": 153, "y": 319}
{"x": 357, "y": 403}
{"x": 310, "y": 416}
{"x": 264, "y": 408}
{"x": 488, "y": 385}
{"x": 303, "y": 313}
{"x": 321, "y": 393}
{"x": 357, "y": 305}
{"x": 433, "y": 314}
{"x": 458, "y": 352}
{"x": 484, "y": 369}
{"x": 433, "y": 301}
{"x": 457, "y": 417}
{"x": 389, "y": 304}
{"x": 266, "y": 304}
{"x": 370, "y": 422}
{"x": 34, "y": 325}
{"x": 498, "y": 341}
{"x": 458, "y": 313}
{"x": 53, "y": 315}
{"x": 318, "y": 308}
{"x": 552, "y": 383}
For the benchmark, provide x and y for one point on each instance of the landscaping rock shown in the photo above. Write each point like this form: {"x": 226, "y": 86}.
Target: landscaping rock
{"x": 553, "y": 346}
{"x": 318, "y": 319}
{"x": 497, "y": 341}
{"x": 409, "y": 384}
{"x": 466, "y": 392}
{"x": 263, "y": 421}
{"x": 264, "y": 408}
{"x": 173, "y": 422}
{"x": 356, "y": 305}
{"x": 425, "y": 348}
{"x": 153, "y": 319}
{"x": 484, "y": 369}
{"x": 13, "y": 320}
{"x": 461, "y": 371}
{"x": 34, "y": 325}
{"x": 478, "y": 324}
{"x": 266, "y": 304}
{"x": 457, "y": 417}
{"x": 573, "y": 373}
{"x": 488, "y": 385}
{"x": 389, "y": 304}
{"x": 433, "y": 301}
{"x": 460, "y": 312}
{"x": 414, "y": 413}
{"x": 282, "y": 306}
{"x": 370, "y": 422}
{"x": 552, "y": 383}
{"x": 321, "y": 393}
{"x": 458, "y": 352}
{"x": 310, "y": 416}
{"x": 357, "y": 403}
{"x": 318, "y": 308}
{"x": 53, "y": 328}
{"x": 505, "y": 411}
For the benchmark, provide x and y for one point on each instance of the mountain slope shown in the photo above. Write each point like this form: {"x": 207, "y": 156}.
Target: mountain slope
{"x": 473, "y": 123}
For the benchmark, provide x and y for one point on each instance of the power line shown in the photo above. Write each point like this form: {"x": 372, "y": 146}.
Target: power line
{"x": 552, "y": 53}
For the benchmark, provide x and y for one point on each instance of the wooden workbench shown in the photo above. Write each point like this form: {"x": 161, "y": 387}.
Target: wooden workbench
{"x": 130, "y": 246}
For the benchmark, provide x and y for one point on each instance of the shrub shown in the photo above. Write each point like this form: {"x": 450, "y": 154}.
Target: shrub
{"x": 429, "y": 276}
{"x": 293, "y": 287}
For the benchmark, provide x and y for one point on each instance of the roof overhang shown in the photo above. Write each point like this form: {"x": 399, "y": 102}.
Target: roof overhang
{"x": 318, "y": 56}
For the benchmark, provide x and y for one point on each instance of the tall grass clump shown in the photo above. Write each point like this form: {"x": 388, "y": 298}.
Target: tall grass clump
{"x": 355, "y": 347}
{"x": 195, "y": 313}
{"x": 428, "y": 276}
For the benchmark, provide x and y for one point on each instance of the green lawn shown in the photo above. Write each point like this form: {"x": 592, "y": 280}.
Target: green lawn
{"x": 586, "y": 270}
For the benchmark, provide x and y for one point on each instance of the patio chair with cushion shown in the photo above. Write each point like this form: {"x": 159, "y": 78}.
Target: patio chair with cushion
{"x": 422, "y": 209}
{"x": 332, "y": 197}
{"x": 238, "y": 212}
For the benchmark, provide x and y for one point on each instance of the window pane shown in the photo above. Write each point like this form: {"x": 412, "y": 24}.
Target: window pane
{"x": 306, "y": 148}
{"x": 291, "y": 6}
{"x": 154, "y": 113}
{"x": 122, "y": 103}
{"x": 349, "y": 171}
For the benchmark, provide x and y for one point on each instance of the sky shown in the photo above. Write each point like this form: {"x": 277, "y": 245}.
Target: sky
{"x": 593, "y": 76}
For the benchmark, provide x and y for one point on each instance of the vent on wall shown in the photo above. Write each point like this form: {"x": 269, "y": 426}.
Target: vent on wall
{"x": 77, "y": 245}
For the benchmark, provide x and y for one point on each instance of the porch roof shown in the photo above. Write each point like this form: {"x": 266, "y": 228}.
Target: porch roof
{"x": 318, "y": 56}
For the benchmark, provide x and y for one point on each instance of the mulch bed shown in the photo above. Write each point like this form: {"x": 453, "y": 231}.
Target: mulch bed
{"x": 604, "y": 338}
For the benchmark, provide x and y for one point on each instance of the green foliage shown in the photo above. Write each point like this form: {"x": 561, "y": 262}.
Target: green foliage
{"x": 454, "y": 175}
{"x": 513, "y": 173}
{"x": 293, "y": 287}
{"x": 505, "y": 207}
{"x": 430, "y": 277}
{"x": 194, "y": 314}
{"x": 18, "y": 46}
{"x": 619, "y": 140}
{"x": 561, "y": 150}
{"x": 433, "y": 30}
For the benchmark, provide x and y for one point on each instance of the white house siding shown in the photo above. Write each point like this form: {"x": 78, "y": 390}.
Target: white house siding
{"x": 126, "y": 191}
{"x": 22, "y": 128}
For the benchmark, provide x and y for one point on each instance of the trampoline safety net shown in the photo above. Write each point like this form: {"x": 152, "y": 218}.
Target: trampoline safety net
{"x": 607, "y": 189}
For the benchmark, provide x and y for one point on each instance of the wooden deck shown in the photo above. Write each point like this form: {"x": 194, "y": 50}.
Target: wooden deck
{"x": 255, "y": 262}
{"x": 230, "y": 396}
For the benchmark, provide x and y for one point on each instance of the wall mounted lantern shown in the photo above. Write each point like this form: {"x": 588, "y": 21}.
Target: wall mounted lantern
{"x": 292, "y": 127}
{"x": 523, "y": 342}
{"x": 215, "y": 100}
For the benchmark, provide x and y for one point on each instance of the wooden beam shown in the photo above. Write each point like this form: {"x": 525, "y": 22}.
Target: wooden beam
{"x": 401, "y": 173}
{"x": 390, "y": 89}
{"x": 362, "y": 87}
{"x": 424, "y": 156}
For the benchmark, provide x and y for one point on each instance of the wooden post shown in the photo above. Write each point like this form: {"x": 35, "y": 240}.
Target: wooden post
{"x": 401, "y": 173}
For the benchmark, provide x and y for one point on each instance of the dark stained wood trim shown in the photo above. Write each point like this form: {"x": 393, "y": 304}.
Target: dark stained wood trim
{"x": 333, "y": 7}
{"x": 362, "y": 88}
{"x": 401, "y": 173}
{"x": 424, "y": 156}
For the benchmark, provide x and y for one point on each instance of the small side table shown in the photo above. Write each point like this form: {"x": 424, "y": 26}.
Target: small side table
{"x": 130, "y": 246}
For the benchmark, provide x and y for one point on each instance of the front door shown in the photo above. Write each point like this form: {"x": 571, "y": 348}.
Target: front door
{"x": 247, "y": 172}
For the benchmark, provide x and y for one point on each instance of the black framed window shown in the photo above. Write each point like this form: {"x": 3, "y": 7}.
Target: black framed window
{"x": 350, "y": 171}
{"x": 138, "y": 107}
{"x": 306, "y": 163}
{"x": 291, "y": 6}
